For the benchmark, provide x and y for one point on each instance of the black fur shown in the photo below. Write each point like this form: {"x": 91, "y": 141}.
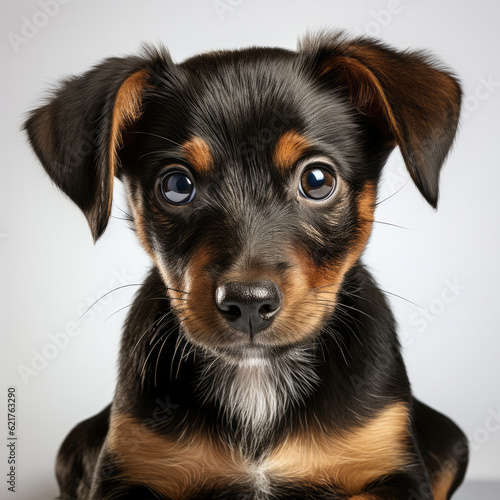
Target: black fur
{"x": 241, "y": 103}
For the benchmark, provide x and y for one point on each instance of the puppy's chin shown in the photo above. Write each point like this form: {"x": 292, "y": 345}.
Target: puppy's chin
{"x": 246, "y": 355}
{"x": 254, "y": 355}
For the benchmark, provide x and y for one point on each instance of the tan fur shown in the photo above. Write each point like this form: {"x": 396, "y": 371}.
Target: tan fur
{"x": 174, "y": 468}
{"x": 289, "y": 148}
{"x": 366, "y": 92}
{"x": 198, "y": 312}
{"x": 197, "y": 152}
{"x": 351, "y": 459}
{"x": 441, "y": 483}
{"x": 126, "y": 110}
{"x": 366, "y": 209}
{"x": 317, "y": 288}
{"x": 179, "y": 468}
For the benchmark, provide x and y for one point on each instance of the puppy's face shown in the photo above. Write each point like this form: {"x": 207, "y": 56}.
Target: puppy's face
{"x": 251, "y": 175}
{"x": 254, "y": 202}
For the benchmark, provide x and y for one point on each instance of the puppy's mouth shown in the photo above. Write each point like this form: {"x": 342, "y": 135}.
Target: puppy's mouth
{"x": 254, "y": 355}
{"x": 246, "y": 355}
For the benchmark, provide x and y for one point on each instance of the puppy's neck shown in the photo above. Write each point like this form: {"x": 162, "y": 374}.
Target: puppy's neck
{"x": 255, "y": 393}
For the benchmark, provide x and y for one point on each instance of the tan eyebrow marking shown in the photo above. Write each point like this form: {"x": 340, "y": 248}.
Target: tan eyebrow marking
{"x": 197, "y": 152}
{"x": 289, "y": 148}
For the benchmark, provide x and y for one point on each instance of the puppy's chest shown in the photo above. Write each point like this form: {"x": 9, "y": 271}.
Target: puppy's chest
{"x": 180, "y": 469}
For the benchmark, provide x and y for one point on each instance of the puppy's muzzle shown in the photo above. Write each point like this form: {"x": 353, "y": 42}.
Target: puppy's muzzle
{"x": 248, "y": 307}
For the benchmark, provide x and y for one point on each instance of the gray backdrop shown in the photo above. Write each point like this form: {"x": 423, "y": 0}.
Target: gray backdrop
{"x": 444, "y": 263}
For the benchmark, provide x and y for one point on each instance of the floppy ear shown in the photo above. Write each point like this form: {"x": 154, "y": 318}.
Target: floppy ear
{"x": 414, "y": 102}
{"x": 78, "y": 133}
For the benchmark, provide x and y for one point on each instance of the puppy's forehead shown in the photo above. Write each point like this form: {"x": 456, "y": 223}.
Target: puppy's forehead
{"x": 236, "y": 95}
{"x": 252, "y": 105}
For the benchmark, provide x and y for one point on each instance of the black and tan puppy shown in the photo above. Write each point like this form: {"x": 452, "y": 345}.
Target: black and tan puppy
{"x": 260, "y": 360}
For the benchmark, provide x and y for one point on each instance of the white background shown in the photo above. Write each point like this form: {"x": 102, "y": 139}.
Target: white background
{"x": 51, "y": 271}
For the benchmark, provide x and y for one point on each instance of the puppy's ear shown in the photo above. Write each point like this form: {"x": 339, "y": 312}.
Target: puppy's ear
{"x": 414, "y": 102}
{"x": 78, "y": 133}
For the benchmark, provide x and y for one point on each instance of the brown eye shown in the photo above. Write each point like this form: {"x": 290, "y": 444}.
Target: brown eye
{"x": 317, "y": 182}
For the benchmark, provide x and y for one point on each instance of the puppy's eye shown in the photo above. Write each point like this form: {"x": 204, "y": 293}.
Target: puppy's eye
{"x": 177, "y": 188}
{"x": 317, "y": 182}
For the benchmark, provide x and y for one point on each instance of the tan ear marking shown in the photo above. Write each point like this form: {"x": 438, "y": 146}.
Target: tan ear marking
{"x": 442, "y": 482}
{"x": 126, "y": 110}
{"x": 365, "y": 91}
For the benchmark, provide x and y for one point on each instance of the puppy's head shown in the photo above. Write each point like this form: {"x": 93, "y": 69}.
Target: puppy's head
{"x": 251, "y": 175}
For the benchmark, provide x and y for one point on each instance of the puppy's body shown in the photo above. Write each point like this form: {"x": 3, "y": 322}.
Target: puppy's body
{"x": 259, "y": 360}
{"x": 175, "y": 441}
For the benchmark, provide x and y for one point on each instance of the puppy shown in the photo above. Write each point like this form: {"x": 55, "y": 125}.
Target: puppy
{"x": 260, "y": 360}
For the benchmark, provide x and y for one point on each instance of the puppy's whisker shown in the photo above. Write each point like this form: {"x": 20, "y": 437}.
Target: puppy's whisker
{"x": 116, "y": 312}
{"x": 402, "y": 298}
{"x": 333, "y": 335}
{"x": 176, "y": 290}
{"x": 340, "y": 305}
{"x": 128, "y": 219}
{"x": 149, "y": 328}
{"x": 180, "y": 360}
{"x": 136, "y": 302}
{"x": 151, "y": 349}
{"x": 180, "y": 338}
{"x": 390, "y": 196}
{"x": 348, "y": 316}
{"x": 159, "y": 353}
{"x": 325, "y": 286}
{"x": 105, "y": 295}
{"x": 346, "y": 324}
{"x": 385, "y": 223}
{"x": 125, "y": 212}
{"x": 159, "y": 137}
{"x": 164, "y": 336}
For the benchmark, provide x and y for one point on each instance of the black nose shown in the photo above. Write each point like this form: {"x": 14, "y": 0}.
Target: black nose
{"x": 249, "y": 307}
